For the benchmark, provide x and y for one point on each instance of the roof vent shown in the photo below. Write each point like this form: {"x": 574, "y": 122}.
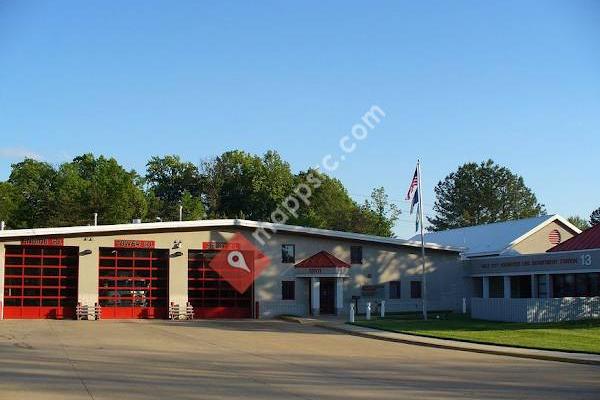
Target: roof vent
{"x": 554, "y": 237}
{"x": 136, "y": 221}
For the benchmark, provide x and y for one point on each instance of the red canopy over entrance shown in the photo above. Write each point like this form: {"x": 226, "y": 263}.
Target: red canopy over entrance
{"x": 322, "y": 259}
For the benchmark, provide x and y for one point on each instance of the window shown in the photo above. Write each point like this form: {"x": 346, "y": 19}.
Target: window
{"x": 288, "y": 290}
{"x": 395, "y": 291}
{"x": 576, "y": 285}
{"x": 415, "y": 289}
{"x": 356, "y": 255}
{"x": 477, "y": 287}
{"x": 496, "y": 287}
{"x": 520, "y": 287}
{"x": 288, "y": 253}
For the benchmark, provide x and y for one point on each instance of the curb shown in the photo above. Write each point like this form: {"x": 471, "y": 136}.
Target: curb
{"x": 301, "y": 321}
{"x": 447, "y": 346}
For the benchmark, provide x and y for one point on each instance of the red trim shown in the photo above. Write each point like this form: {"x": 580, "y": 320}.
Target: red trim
{"x": 135, "y": 312}
{"x": 25, "y": 312}
{"x": 221, "y": 312}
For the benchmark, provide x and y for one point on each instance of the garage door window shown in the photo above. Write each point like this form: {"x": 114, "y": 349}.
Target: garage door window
{"x": 133, "y": 283}
{"x": 40, "y": 277}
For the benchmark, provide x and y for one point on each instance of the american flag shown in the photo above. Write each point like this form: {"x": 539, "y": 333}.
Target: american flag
{"x": 413, "y": 186}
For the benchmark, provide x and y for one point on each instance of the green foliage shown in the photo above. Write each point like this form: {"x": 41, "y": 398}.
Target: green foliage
{"x": 381, "y": 213}
{"x": 113, "y": 192}
{"x": 579, "y": 335}
{"x": 579, "y": 222}
{"x": 34, "y": 184}
{"x": 331, "y": 207}
{"x": 482, "y": 193}
{"x": 235, "y": 184}
{"x": 8, "y": 203}
{"x": 595, "y": 217}
{"x": 242, "y": 185}
{"x": 169, "y": 179}
{"x": 193, "y": 209}
{"x": 44, "y": 196}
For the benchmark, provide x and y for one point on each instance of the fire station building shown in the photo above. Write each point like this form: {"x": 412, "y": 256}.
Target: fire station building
{"x": 540, "y": 269}
{"x": 537, "y": 269}
{"x": 146, "y": 270}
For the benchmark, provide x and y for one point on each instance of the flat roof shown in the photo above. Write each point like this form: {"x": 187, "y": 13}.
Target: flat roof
{"x": 215, "y": 223}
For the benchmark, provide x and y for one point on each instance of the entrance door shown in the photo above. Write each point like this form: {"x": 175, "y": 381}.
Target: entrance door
{"x": 133, "y": 283}
{"x": 327, "y": 295}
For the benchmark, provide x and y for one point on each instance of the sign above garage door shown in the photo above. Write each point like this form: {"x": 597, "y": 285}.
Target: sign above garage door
{"x": 43, "y": 242}
{"x": 134, "y": 244}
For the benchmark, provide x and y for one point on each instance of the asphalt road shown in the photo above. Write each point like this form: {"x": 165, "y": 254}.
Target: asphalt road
{"x": 259, "y": 360}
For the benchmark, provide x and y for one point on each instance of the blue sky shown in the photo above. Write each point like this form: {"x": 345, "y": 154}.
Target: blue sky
{"x": 515, "y": 81}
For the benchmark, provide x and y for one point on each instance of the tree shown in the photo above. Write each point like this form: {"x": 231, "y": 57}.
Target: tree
{"x": 70, "y": 200}
{"x": 330, "y": 206}
{"x": 89, "y": 184}
{"x": 34, "y": 183}
{"x": 383, "y": 214}
{"x": 8, "y": 204}
{"x": 237, "y": 184}
{"x": 193, "y": 209}
{"x": 169, "y": 178}
{"x": 482, "y": 193}
{"x": 595, "y": 217}
{"x": 579, "y": 222}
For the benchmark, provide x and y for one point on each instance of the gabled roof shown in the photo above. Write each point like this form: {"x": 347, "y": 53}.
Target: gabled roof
{"x": 212, "y": 223}
{"x": 322, "y": 259}
{"x": 493, "y": 239}
{"x": 586, "y": 240}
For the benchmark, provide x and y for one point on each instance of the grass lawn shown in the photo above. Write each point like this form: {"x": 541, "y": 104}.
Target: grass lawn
{"x": 579, "y": 336}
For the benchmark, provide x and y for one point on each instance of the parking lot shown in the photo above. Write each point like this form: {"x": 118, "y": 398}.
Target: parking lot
{"x": 46, "y": 359}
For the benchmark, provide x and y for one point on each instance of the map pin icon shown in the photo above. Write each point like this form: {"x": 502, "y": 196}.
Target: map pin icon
{"x": 235, "y": 259}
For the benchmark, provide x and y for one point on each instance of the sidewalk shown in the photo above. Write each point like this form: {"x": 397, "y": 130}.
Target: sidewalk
{"x": 339, "y": 325}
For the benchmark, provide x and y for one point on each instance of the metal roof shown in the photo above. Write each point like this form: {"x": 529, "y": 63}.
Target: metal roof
{"x": 215, "y": 223}
{"x": 586, "y": 240}
{"x": 496, "y": 238}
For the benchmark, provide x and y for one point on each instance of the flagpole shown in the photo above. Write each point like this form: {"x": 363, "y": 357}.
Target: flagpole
{"x": 423, "y": 274}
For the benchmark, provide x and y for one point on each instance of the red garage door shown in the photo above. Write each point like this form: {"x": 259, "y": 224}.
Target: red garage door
{"x": 210, "y": 295}
{"x": 40, "y": 282}
{"x": 133, "y": 283}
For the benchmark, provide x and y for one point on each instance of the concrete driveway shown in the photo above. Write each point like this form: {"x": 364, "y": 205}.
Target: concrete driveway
{"x": 259, "y": 360}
